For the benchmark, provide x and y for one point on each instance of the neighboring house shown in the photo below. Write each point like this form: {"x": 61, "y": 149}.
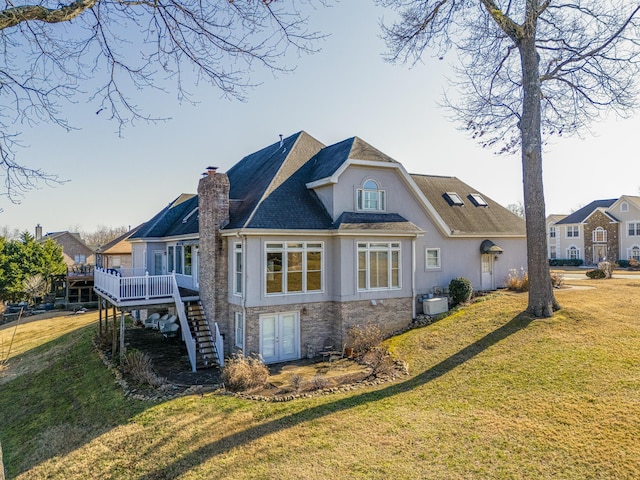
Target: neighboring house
{"x": 602, "y": 230}
{"x": 78, "y": 283}
{"x": 74, "y": 250}
{"x": 116, "y": 254}
{"x": 297, "y": 242}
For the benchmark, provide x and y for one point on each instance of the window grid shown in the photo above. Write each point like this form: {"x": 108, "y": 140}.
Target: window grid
{"x": 293, "y": 267}
{"x": 573, "y": 253}
{"x": 433, "y": 258}
{"x": 599, "y": 235}
{"x": 371, "y": 197}
{"x": 237, "y": 269}
{"x": 573, "y": 231}
{"x": 378, "y": 266}
{"x": 239, "y": 329}
{"x": 634, "y": 229}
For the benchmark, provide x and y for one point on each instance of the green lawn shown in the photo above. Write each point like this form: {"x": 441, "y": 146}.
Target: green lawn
{"x": 491, "y": 393}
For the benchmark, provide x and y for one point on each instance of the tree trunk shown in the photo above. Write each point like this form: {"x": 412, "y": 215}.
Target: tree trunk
{"x": 1, "y": 464}
{"x": 542, "y": 302}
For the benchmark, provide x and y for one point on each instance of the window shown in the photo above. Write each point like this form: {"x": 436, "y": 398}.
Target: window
{"x": 634, "y": 229}
{"x": 293, "y": 267}
{"x": 624, "y": 207}
{"x": 239, "y": 329}
{"x": 378, "y": 266}
{"x": 179, "y": 259}
{"x": 80, "y": 258}
{"x": 371, "y": 197}
{"x": 573, "y": 253}
{"x": 552, "y": 232}
{"x": 599, "y": 235}
{"x": 552, "y": 251}
{"x": 188, "y": 259}
{"x": 477, "y": 200}
{"x": 634, "y": 253}
{"x": 116, "y": 261}
{"x": 573, "y": 231}
{"x": 453, "y": 198}
{"x": 237, "y": 268}
{"x": 433, "y": 258}
{"x": 170, "y": 259}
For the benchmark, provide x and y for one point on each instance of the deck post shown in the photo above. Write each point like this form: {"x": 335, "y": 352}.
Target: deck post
{"x": 100, "y": 317}
{"x": 146, "y": 285}
{"x": 122, "y": 348}
{"x": 114, "y": 342}
{"x": 1, "y": 464}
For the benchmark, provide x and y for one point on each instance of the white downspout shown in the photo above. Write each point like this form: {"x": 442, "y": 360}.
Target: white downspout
{"x": 413, "y": 277}
{"x": 244, "y": 293}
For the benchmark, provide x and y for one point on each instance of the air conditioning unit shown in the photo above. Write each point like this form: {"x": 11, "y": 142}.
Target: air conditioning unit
{"x": 434, "y": 306}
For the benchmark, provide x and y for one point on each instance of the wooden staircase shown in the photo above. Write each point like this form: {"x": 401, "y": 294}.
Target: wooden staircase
{"x": 206, "y": 351}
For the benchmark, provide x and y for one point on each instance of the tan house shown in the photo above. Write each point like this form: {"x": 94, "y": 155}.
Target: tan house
{"x": 80, "y": 259}
{"x": 116, "y": 255}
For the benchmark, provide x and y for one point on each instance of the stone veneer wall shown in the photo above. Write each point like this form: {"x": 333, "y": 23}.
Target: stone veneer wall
{"x": 213, "y": 214}
{"x": 599, "y": 219}
{"x": 329, "y": 321}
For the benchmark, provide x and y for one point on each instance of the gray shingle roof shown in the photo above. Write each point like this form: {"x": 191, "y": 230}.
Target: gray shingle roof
{"x": 374, "y": 221}
{"x": 172, "y": 220}
{"x": 468, "y": 219}
{"x": 581, "y": 215}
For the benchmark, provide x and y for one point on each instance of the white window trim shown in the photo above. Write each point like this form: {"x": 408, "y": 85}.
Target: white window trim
{"x": 572, "y": 227}
{"x": 624, "y": 207}
{"x": 552, "y": 232}
{"x": 426, "y": 259}
{"x": 239, "y": 328}
{"x": 304, "y": 249}
{"x": 390, "y": 248}
{"x": 382, "y": 197}
{"x": 630, "y": 250}
{"x": 576, "y": 249}
{"x": 637, "y": 229}
{"x": 595, "y": 232}
{"x": 237, "y": 248}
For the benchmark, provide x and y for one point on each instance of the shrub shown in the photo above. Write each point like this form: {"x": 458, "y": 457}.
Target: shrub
{"x": 380, "y": 362}
{"x": 565, "y": 262}
{"x": 607, "y": 268}
{"x": 364, "y": 337}
{"x": 624, "y": 263}
{"x": 634, "y": 264}
{"x": 139, "y": 366}
{"x": 556, "y": 280}
{"x": 518, "y": 281}
{"x": 242, "y": 373}
{"x": 595, "y": 274}
{"x": 460, "y": 290}
{"x": 296, "y": 382}
{"x": 318, "y": 382}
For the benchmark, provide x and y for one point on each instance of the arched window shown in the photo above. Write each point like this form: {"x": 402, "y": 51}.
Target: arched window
{"x": 599, "y": 235}
{"x": 371, "y": 196}
{"x": 634, "y": 253}
{"x": 573, "y": 252}
{"x": 624, "y": 207}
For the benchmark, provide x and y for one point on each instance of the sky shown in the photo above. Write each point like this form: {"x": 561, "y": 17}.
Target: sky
{"x": 345, "y": 90}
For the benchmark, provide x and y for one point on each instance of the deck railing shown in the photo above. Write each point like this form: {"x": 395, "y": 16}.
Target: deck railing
{"x": 122, "y": 288}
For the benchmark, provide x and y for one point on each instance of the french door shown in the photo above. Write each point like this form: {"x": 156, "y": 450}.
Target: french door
{"x": 279, "y": 337}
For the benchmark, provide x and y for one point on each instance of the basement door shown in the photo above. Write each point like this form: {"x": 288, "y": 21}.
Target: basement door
{"x": 487, "y": 272}
{"x": 279, "y": 337}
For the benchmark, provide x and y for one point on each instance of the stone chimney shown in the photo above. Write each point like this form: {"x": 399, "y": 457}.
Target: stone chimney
{"x": 38, "y": 232}
{"x": 213, "y": 215}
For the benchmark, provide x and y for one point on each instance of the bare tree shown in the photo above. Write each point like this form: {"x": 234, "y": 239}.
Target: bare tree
{"x": 527, "y": 69}
{"x": 104, "y": 51}
{"x": 103, "y": 235}
{"x": 517, "y": 208}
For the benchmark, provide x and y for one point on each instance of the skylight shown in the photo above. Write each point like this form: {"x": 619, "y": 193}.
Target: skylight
{"x": 453, "y": 198}
{"x": 477, "y": 200}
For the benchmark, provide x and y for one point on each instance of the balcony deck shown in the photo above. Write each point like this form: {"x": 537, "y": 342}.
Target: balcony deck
{"x": 124, "y": 289}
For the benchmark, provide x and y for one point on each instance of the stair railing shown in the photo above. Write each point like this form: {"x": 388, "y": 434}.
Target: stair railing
{"x": 189, "y": 341}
